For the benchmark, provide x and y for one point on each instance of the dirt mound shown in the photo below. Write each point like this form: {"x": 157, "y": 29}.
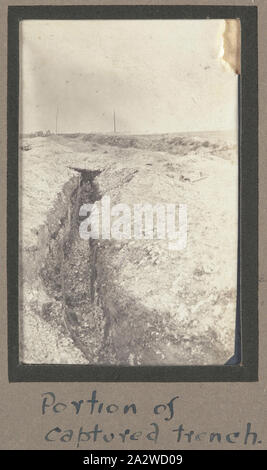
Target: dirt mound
{"x": 174, "y": 144}
{"x": 127, "y": 301}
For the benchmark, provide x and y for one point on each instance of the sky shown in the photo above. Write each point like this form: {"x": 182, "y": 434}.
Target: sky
{"x": 158, "y": 76}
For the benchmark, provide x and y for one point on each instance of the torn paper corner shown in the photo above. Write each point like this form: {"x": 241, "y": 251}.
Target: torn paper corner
{"x": 232, "y": 44}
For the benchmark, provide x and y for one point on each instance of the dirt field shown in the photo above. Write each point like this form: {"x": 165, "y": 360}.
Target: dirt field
{"x": 131, "y": 301}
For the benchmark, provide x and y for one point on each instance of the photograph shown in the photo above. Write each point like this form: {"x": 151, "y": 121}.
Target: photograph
{"x": 128, "y": 192}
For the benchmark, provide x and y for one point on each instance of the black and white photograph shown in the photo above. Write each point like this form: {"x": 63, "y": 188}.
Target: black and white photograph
{"x": 128, "y": 192}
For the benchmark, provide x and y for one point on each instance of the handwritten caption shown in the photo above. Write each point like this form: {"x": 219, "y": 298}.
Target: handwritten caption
{"x": 160, "y": 415}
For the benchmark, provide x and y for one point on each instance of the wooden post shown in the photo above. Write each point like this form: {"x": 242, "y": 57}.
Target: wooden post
{"x": 114, "y": 122}
{"x": 56, "y": 119}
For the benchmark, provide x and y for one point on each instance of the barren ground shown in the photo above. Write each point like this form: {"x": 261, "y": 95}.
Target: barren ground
{"x": 132, "y": 301}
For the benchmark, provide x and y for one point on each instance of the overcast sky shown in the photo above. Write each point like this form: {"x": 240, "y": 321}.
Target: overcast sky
{"x": 158, "y": 75}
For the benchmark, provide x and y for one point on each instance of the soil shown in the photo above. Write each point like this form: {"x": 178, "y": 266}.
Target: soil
{"x": 127, "y": 301}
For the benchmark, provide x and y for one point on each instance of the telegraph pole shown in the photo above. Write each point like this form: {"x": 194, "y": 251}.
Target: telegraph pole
{"x": 114, "y": 122}
{"x": 56, "y": 119}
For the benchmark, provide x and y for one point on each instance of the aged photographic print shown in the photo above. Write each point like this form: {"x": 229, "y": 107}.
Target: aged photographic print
{"x": 128, "y": 196}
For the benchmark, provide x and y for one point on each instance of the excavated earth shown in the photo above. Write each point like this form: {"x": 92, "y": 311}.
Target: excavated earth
{"x": 127, "y": 301}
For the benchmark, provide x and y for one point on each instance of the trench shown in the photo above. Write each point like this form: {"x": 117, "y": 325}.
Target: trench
{"x": 69, "y": 275}
{"x": 104, "y": 320}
